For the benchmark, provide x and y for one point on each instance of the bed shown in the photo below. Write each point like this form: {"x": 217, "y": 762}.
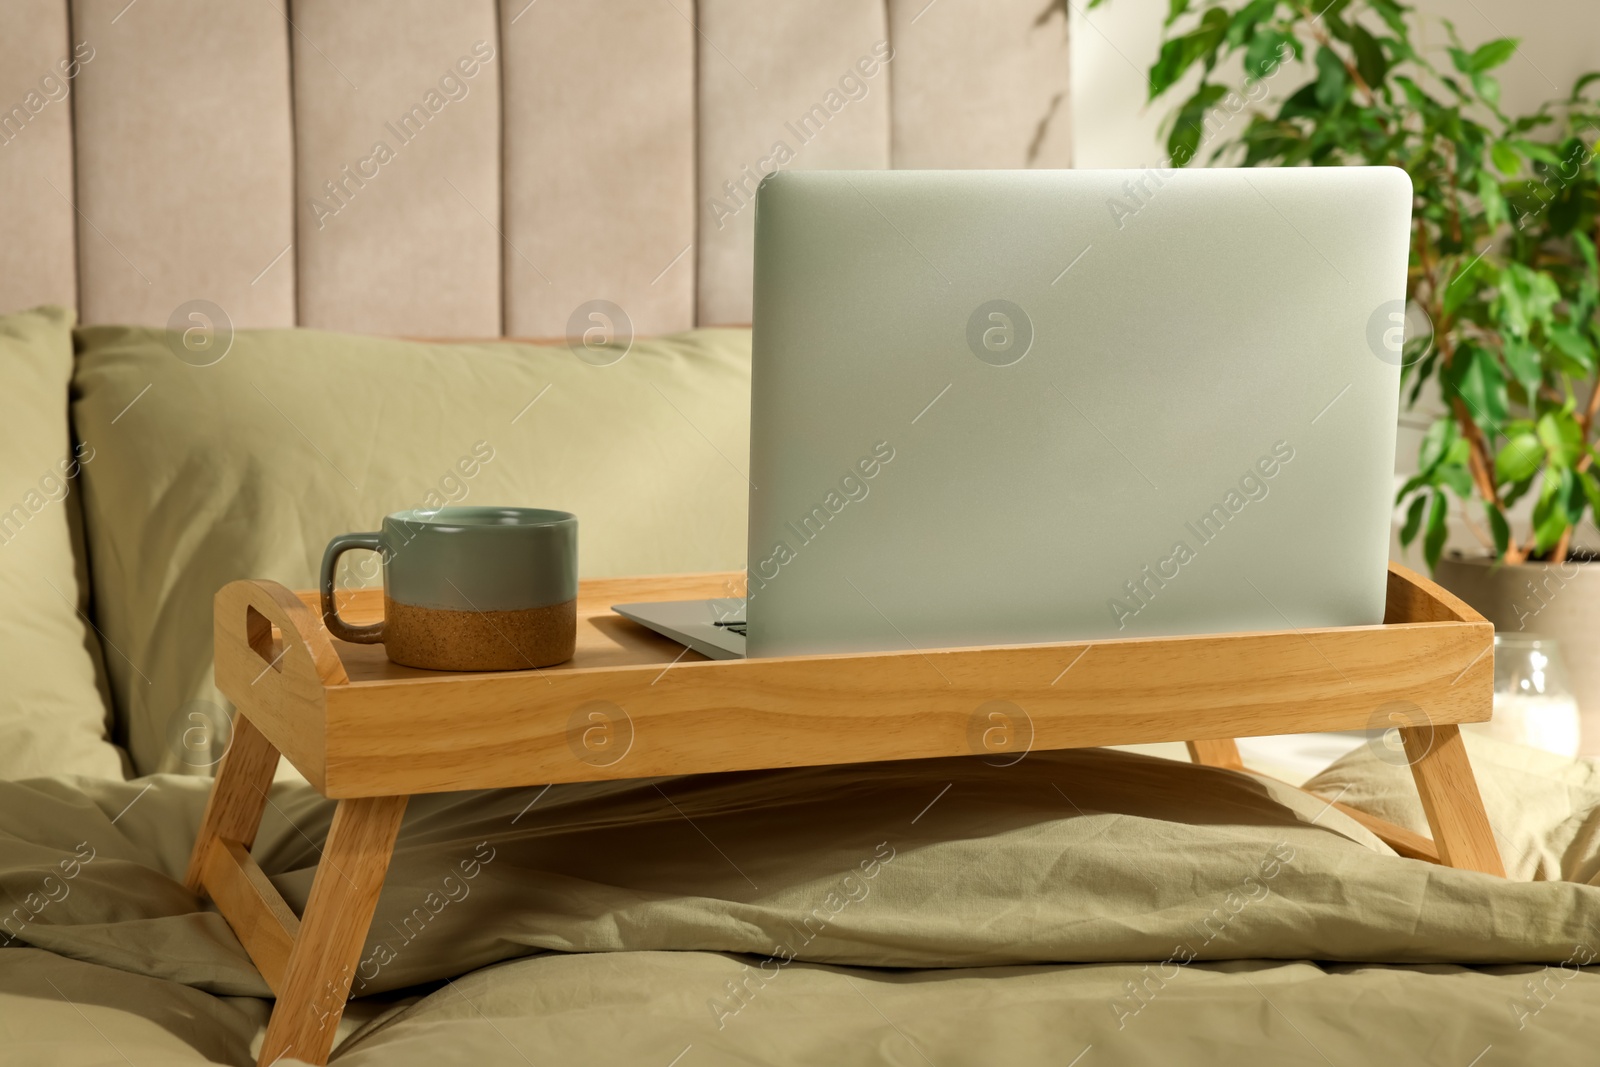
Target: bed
{"x": 1086, "y": 907}
{"x": 1097, "y": 904}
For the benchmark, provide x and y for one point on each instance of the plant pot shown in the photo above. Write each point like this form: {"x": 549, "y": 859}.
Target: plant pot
{"x": 1559, "y": 600}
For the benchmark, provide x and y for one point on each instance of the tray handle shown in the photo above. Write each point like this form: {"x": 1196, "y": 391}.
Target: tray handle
{"x": 1412, "y": 597}
{"x": 246, "y": 613}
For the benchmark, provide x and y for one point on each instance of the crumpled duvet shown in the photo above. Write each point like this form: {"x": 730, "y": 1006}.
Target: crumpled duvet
{"x": 1092, "y": 903}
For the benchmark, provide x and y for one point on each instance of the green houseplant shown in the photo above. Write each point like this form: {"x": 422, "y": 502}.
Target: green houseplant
{"x": 1503, "y": 261}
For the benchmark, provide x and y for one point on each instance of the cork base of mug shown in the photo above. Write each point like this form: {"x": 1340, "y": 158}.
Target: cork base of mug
{"x": 442, "y": 639}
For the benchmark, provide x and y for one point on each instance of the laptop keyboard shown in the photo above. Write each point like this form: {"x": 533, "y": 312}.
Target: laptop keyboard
{"x": 733, "y": 626}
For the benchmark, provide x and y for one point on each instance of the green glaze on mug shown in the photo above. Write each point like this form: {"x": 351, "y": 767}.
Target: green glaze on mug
{"x": 469, "y": 588}
{"x": 480, "y": 558}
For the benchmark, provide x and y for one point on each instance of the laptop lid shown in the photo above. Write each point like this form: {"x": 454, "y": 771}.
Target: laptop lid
{"x": 995, "y": 407}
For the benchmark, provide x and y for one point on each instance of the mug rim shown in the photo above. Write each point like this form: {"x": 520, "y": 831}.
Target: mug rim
{"x": 452, "y": 516}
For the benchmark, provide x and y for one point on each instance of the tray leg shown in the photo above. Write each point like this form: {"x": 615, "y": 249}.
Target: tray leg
{"x": 1223, "y": 752}
{"x": 238, "y": 797}
{"x": 333, "y": 929}
{"x": 1450, "y": 798}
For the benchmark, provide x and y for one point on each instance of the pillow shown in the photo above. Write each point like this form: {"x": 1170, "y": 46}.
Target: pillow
{"x": 1544, "y": 809}
{"x": 53, "y": 704}
{"x": 210, "y": 469}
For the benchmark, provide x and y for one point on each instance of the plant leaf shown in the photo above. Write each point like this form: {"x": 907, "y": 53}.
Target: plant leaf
{"x": 1436, "y": 441}
{"x": 1488, "y": 88}
{"x": 1500, "y": 528}
{"x": 1392, "y": 14}
{"x": 1509, "y": 499}
{"x": 1475, "y": 376}
{"x": 1415, "y": 96}
{"x": 1248, "y": 21}
{"x": 1572, "y": 344}
{"x": 1519, "y": 459}
{"x": 1495, "y": 212}
{"x": 1586, "y": 246}
{"x": 1331, "y": 78}
{"x": 1506, "y": 159}
{"x": 1413, "y": 523}
{"x": 1526, "y": 297}
{"x": 1438, "y": 530}
{"x": 1561, "y": 436}
{"x": 1591, "y": 490}
{"x": 1466, "y": 283}
{"x": 1265, "y": 53}
{"x": 1178, "y": 54}
{"x": 1583, "y": 83}
{"x": 1457, "y": 477}
{"x": 1371, "y": 63}
{"x": 1577, "y": 498}
{"x": 1526, "y": 368}
{"x": 1169, "y": 66}
{"x": 1534, "y": 150}
{"x": 1188, "y": 126}
{"x": 1491, "y": 55}
{"x": 1550, "y": 518}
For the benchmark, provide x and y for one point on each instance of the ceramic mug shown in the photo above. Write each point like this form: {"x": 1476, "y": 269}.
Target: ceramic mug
{"x": 468, "y": 588}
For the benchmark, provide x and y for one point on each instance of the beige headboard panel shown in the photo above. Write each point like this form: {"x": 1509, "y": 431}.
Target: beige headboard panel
{"x": 467, "y": 168}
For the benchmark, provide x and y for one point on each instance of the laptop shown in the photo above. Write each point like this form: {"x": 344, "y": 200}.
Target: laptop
{"x": 1013, "y": 407}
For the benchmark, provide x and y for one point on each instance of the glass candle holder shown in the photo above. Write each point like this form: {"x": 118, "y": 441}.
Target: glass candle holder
{"x": 1533, "y": 704}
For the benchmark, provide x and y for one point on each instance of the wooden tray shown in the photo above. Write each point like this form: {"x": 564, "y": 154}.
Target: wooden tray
{"x": 634, "y": 704}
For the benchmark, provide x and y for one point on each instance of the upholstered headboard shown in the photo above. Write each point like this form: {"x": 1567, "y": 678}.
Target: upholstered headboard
{"x": 468, "y": 168}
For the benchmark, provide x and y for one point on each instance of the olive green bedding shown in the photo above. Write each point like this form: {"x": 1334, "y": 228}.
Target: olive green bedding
{"x": 1082, "y": 907}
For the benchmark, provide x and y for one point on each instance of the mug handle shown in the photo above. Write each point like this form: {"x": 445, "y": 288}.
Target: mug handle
{"x": 361, "y": 635}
